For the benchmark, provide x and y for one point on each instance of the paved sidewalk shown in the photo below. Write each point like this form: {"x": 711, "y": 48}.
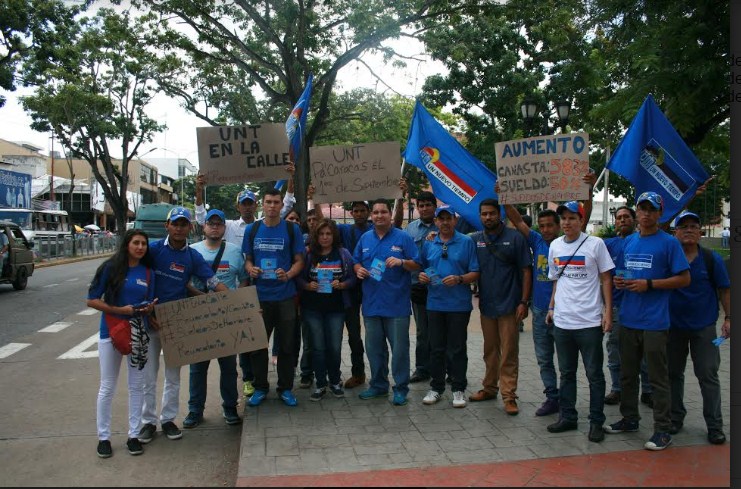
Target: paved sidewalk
{"x": 334, "y": 437}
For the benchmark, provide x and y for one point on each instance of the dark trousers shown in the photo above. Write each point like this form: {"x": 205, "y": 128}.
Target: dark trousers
{"x": 422, "y": 348}
{"x": 303, "y": 343}
{"x": 636, "y": 344}
{"x": 246, "y": 365}
{"x": 355, "y": 340}
{"x": 706, "y": 361}
{"x": 448, "y": 333}
{"x": 227, "y": 383}
{"x": 281, "y": 317}
{"x": 569, "y": 344}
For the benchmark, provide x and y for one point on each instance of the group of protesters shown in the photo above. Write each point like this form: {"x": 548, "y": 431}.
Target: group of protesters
{"x": 654, "y": 295}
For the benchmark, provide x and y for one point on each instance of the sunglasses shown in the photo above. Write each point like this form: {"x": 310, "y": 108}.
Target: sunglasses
{"x": 445, "y": 251}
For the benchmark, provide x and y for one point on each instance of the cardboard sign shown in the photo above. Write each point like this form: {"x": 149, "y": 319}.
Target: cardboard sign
{"x": 241, "y": 154}
{"x": 359, "y": 172}
{"x": 211, "y": 326}
{"x": 544, "y": 168}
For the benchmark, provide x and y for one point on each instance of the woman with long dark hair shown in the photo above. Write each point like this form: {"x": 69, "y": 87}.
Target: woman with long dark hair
{"x": 121, "y": 287}
{"x": 324, "y": 285}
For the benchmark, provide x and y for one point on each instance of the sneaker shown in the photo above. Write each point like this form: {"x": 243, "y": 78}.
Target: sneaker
{"x": 257, "y": 398}
{"x": 658, "y": 442}
{"x": 104, "y": 449}
{"x": 147, "y": 433}
{"x": 459, "y": 399}
{"x": 550, "y": 406}
{"x": 354, "y": 381}
{"x": 192, "y": 420}
{"x": 647, "y": 398}
{"x": 134, "y": 446}
{"x": 305, "y": 382}
{"x": 432, "y": 397}
{"x": 399, "y": 399}
{"x": 288, "y": 398}
{"x": 622, "y": 426}
{"x": 318, "y": 394}
{"x": 337, "y": 390}
{"x": 230, "y": 416}
{"x": 172, "y": 431}
{"x": 371, "y": 393}
{"x": 248, "y": 388}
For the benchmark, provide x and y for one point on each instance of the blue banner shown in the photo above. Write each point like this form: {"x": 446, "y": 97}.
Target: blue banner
{"x": 15, "y": 189}
{"x": 457, "y": 177}
{"x": 296, "y": 125}
{"x": 654, "y": 157}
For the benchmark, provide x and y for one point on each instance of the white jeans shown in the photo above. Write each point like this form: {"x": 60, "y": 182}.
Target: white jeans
{"x": 110, "y": 365}
{"x": 171, "y": 392}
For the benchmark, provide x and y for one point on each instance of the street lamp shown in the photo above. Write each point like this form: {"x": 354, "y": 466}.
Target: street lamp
{"x": 529, "y": 109}
{"x": 613, "y": 210}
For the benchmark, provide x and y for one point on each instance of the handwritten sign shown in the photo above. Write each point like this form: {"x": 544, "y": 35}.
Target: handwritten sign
{"x": 211, "y": 326}
{"x": 240, "y": 154}
{"x": 544, "y": 168}
{"x": 359, "y": 172}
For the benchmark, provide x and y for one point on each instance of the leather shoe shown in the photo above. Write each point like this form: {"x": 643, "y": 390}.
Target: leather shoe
{"x": 354, "y": 381}
{"x": 647, "y": 398}
{"x": 417, "y": 377}
{"x": 510, "y": 407}
{"x": 562, "y": 425}
{"x": 596, "y": 433}
{"x": 612, "y": 398}
{"x": 716, "y": 437}
{"x": 482, "y": 395}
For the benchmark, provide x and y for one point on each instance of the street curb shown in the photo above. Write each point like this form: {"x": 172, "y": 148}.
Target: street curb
{"x": 64, "y": 261}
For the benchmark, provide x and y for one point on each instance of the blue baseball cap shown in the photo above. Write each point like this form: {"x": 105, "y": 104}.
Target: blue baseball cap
{"x": 572, "y": 206}
{"x": 685, "y": 214}
{"x": 652, "y": 197}
{"x": 444, "y": 208}
{"x": 246, "y": 194}
{"x": 217, "y": 213}
{"x": 178, "y": 213}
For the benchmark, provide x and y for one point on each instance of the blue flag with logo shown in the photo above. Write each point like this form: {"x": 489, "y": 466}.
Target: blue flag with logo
{"x": 296, "y": 125}
{"x": 457, "y": 177}
{"x": 654, "y": 157}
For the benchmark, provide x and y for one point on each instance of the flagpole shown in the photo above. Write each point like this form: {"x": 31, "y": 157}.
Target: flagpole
{"x": 606, "y": 192}
{"x": 396, "y": 201}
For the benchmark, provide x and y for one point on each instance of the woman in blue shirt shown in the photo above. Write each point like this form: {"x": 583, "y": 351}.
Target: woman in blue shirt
{"x": 120, "y": 284}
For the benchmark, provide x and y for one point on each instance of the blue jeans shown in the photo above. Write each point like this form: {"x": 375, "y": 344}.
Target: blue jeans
{"x": 544, "y": 350}
{"x": 588, "y": 342}
{"x": 613, "y": 357}
{"x": 227, "y": 384}
{"x": 378, "y": 329}
{"x": 326, "y": 341}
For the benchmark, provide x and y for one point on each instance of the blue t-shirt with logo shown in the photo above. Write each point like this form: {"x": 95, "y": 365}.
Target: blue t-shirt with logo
{"x": 542, "y": 286}
{"x": 696, "y": 306}
{"x": 461, "y": 259}
{"x": 655, "y": 256}
{"x": 230, "y": 270}
{"x": 174, "y": 269}
{"x": 615, "y": 248}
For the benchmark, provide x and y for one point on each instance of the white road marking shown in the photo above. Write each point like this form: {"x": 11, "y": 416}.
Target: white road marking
{"x": 50, "y": 285}
{"x": 88, "y": 312}
{"x": 10, "y": 348}
{"x": 72, "y": 280}
{"x": 79, "y": 350}
{"x": 55, "y": 327}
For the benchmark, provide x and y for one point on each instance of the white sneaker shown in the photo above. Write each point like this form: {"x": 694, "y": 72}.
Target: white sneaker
{"x": 432, "y": 397}
{"x": 459, "y": 399}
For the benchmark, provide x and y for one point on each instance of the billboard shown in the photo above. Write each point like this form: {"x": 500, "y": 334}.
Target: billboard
{"x": 15, "y": 189}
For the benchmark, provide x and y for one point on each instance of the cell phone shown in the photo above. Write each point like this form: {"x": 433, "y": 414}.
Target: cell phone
{"x": 141, "y": 305}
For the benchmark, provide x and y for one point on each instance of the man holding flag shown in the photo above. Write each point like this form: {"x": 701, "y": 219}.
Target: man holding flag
{"x": 296, "y": 125}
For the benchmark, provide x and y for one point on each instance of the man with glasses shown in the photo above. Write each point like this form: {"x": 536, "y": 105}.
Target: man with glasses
{"x": 693, "y": 311}
{"x": 651, "y": 265}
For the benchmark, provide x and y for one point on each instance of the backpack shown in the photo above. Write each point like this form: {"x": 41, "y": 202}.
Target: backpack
{"x": 256, "y": 226}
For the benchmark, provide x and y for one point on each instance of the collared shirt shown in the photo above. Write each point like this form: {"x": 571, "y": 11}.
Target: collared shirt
{"x": 350, "y": 234}
{"x": 174, "y": 269}
{"x": 418, "y": 230}
{"x": 461, "y": 259}
{"x": 696, "y": 306}
{"x": 391, "y": 296}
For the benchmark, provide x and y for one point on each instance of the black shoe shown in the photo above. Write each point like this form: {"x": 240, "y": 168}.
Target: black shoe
{"x": 612, "y": 398}
{"x": 648, "y": 399}
{"x": 134, "y": 446}
{"x": 104, "y": 449}
{"x": 596, "y": 433}
{"x": 147, "y": 433}
{"x": 172, "y": 431}
{"x": 448, "y": 379}
{"x": 676, "y": 427}
{"x": 305, "y": 382}
{"x": 417, "y": 377}
{"x": 716, "y": 437}
{"x": 562, "y": 425}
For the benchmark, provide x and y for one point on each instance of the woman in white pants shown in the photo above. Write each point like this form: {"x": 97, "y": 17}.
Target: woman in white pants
{"x": 121, "y": 287}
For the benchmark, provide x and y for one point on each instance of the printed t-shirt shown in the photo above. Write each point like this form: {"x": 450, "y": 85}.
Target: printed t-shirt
{"x": 272, "y": 243}
{"x": 542, "y": 285}
{"x": 174, "y": 269}
{"x": 696, "y": 306}
{"x": 317, "y": 301}
{"x": 230, "y": 270}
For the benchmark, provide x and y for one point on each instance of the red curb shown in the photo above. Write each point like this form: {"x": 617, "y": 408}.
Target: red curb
{"x": 693, "y": 466}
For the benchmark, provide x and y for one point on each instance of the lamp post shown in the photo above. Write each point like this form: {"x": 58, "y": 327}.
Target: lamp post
{"x": 529, "y": 109}
{"x": 613, "y": 210}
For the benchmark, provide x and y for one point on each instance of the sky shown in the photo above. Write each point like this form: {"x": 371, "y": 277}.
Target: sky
{"x": 179, "y": 140}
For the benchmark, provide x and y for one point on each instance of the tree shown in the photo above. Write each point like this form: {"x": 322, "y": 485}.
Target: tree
{"x": 92, "y": 90}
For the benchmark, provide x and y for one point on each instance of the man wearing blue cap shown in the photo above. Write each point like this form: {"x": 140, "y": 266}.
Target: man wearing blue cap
{"x": 651, "y": 265}
{"x": 226, "y": 260}
{"x": 693, "y": 311}
{"x": 174, "y": 263}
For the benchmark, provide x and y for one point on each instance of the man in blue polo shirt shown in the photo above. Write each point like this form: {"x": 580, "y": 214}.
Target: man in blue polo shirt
{"x": 450, "y": 265}
{"x": 652, "y": 264}
{"x": 384, "y": 259}
{"x": 273, "y": 263}
{"x": 174, "y": 263}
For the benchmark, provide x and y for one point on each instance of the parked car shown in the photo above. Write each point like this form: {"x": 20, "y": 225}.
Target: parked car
{"x": 19, "y": 264}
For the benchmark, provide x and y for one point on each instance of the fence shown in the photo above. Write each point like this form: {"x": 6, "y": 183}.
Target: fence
{"x": 57, "y": 247}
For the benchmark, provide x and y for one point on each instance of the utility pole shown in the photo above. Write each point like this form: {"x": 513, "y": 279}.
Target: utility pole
{"x": 51, "y": 179}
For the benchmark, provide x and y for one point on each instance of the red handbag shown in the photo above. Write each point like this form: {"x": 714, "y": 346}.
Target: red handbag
{"x": 119, "y": 330}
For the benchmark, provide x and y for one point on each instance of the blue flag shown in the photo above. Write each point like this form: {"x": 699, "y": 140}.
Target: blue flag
{"x": 296, "y": 125}
{"x": 654, "y": 157}
{"x": 456, "y": 176}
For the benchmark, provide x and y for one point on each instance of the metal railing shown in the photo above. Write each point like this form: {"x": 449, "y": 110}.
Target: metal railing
{"x": 54, "y": 248}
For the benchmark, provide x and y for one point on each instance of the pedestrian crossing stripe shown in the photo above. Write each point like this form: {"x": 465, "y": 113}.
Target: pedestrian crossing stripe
{"x": 80, "y": 351}
{"x": 55, "y": 327}
{"x": 11, "y": 348}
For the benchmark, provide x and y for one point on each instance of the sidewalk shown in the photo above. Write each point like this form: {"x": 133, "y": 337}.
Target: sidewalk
{"x": 353, "y": 442}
